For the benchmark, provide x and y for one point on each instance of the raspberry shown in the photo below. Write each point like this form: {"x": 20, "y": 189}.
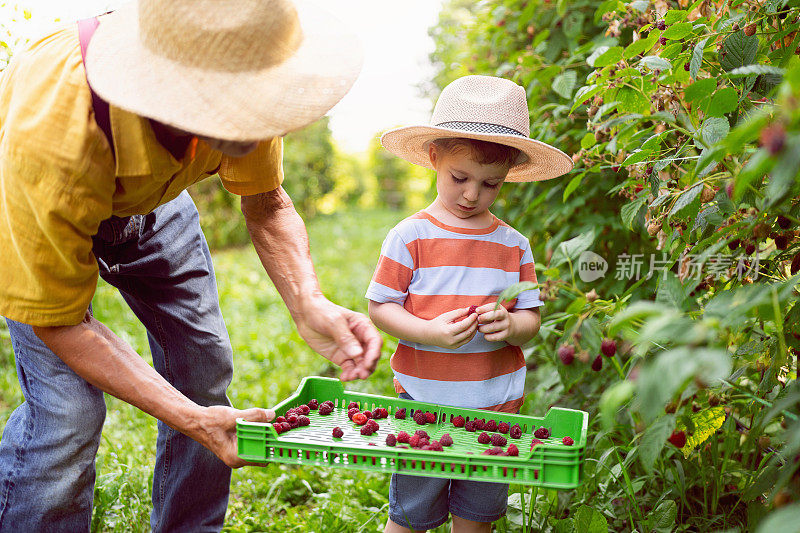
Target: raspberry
{"x": 391, "y": 440}
{"x": 430, "y": 418}
{"x": 337, "y": 432}
{"x": 542, "y": 433}
{"x": 567, "y": 354}
{"x": 400, "y": 414}
{"x": 498, "y": 440}
{"x": 469, "y": 425}
{"x": 615, "y": 168}
{"x": 419, "y": 418}
{"x": 597, "y": 364}
{"x": 351, "y": 412}
{"x": 280, "y": 419}
{"x": 491, "y": 425}
{"x": 368, "y": 414}
{"x": 781, "y": 242}
{"x": 413, "y": 441}
{"x": 291, "y": 411}
{"x": 329, "y": 403}
{"x": 303, "y": 409}
{"x": 292, "y": 419}
{"x": 424, "y": 442}
{"x": 278, "y": 428}
{"x": 734, "y": 244}
{"x": 608, "y": 347}
{"x": 303, "y": 420}
{"x": 352, "y": 405}
{"x": 325, "y": 409}
{"x": 480, "y": 424}
{"x": 535, "y": 442}
{"x": 661, "y": 25}
{"x": 435, "y": 445}
{"x": 484, "y": 438}
{"x": 686, "y": 67}
{"x": 295, "y": 424}
{"x": 313, "y": 404}
{"x": 371, "y": 444}
{"x": 472, "y": 309}
{"x": 372, "y": 424}
{"x": 458, "y": 421}
{"x": 515, "y": 432}
{"x": 285, "y": 426}
{"x": 503, "y": 427}
{"x": 382, "y": 412}
{"x": 784, "y": 222}
{"x": 773, "y": 138}
{"x": 568, "y": 441}
{"x": 422, "y": 434}
{"x": 359, "y": 418}
{"x": 662, "y": 40}
{"x": 493, "y": 451}
{"x": 750, "y": 249}
{"x": 403, "y": 437}
{"x": 366, "y": 430}
{"x": 446, "y": 440}
{"x": 750, "y": 29}
{"x": 678, "y": 439}
{"x": 512, "y": 450}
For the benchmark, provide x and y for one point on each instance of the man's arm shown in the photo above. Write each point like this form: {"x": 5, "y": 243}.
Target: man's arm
{"x": 96, "y": 354}
{"x": 279, "y": 235}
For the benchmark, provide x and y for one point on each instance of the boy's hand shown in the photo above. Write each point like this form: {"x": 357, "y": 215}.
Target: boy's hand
{"x": 495, "y": 324}
{"x": 447, "y": 331}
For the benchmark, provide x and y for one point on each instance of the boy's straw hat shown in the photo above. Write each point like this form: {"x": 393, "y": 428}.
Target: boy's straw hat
{"x": 488, "y": 109}
{"x": 240, "y": 71}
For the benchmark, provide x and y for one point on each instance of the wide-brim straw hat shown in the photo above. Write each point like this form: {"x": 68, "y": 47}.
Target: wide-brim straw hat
{"x": 488, "y": 109}
{"x": 240, "y": 71}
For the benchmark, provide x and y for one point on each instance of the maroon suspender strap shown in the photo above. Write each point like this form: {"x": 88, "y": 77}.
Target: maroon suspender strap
{"x": 86, "y": 29}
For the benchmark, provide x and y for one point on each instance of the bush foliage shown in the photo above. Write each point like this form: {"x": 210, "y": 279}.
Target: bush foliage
{"x": 685, "y": 128}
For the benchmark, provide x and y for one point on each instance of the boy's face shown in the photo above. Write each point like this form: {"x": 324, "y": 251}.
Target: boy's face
{"x": 466, "y": 188}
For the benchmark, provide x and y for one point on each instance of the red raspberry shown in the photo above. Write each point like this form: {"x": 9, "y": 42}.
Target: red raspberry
{"x": 424, "y": 442}
{"x": 567, "y": 354}
{"x": 484, "y": 438}
{"x": 325, "y": 409}
{"x": 292, "y": 419}
{"x": 329, "y": 403}
{"x": 472, "y": 309}
{"x": 413, "y": 441}
{"x": 372, "y": 424}
{"x": 368, "y": 414}
{"x": 419, "y": 418}
{"x": 359, "y": 418}
{"x": 493, "y": 451}
{"x": 352, "y": 405}
{"x": 303, "y": 420}
{"x": 313, "y": 404}
{"x": 400, "y": 414}
{"x": 381, "y": 412}
{"x": 391, "y": 440}
{"x": 403, "y": 437}
{"x": 542, "y": 433}
{"x": 285, "y": 426}
{"x": 458, "y": 421}
{"x": 491, "y": 425}
{"x": 470, "y": 425}
{"x": 515, "y": 432}
{"x": 351, "y": 412}
{"x": 678, "y": 439}
{"x": 278, "y": 427}
{"x": 503, "y": 427}
{"x": 608, "y": 347}
{"x": 446, "y": 440}
{"x": 535, "y": 443}
{"x": 280, "y": 419}
{"x": 422, "y": 434}
{"x": 597, "y": 364}
{"x": 425, "y": 447}
{"x": 291, "y": 411}
{"x": 371, "y": 444}
{"x": 367, "y": 430}
{"x": 512, "y": 450}
{"x": 568, "y": 441}
{"x": 480, "y": 424}
{"x": 337, "y": 432}
{"x": 430, "y": 418}
{"x": 295, "y": 424}
{"x": 436, "y": 446}
{"x": 303, "y": 409}
{"x": 498, "y": 439}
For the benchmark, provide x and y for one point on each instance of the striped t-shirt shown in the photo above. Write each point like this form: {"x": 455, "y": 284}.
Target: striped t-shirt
{"x": 431, "y": 268}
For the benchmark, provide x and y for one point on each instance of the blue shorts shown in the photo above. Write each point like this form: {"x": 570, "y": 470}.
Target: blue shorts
{"x": 420, "y": 502}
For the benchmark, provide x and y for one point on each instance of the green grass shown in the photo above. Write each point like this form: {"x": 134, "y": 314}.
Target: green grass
{"x": 270, "y": 359}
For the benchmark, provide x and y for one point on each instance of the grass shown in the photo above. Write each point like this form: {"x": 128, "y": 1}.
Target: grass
{"x": 270, "y": 359}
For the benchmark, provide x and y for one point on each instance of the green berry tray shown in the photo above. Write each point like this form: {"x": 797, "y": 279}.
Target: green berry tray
{"x": 551, "y": 463}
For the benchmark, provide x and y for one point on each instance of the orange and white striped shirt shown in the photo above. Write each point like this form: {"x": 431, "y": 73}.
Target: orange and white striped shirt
{"x": 430, "y": 268}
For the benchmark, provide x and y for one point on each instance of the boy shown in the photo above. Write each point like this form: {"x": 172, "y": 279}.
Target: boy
{"x": 456, "y": 254}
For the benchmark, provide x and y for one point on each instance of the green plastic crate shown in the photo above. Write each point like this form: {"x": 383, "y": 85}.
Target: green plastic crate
{"x": 552, "y": 465}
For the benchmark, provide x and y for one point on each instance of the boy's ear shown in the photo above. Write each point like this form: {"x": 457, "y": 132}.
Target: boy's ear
{"x": 433, "y": 154}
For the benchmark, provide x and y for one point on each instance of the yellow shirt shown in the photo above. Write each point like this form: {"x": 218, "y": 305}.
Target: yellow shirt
{"x": 59, "y": 179}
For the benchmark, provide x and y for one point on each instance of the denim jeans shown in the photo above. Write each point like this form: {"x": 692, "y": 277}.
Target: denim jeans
{"x": 161, "y": 265}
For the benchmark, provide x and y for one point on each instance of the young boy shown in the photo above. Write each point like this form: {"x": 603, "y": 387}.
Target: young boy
{"x": 450, "y": 256}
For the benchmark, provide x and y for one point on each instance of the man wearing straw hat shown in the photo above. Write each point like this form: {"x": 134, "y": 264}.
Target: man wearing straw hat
{"x": 92, "y": 182}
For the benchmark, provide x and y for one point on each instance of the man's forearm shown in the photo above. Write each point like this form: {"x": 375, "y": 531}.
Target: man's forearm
{"x": 281, "y": 242}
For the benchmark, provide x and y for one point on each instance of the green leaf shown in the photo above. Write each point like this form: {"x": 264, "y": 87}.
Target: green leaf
{"x": 564, "y": 83}
{"x": 637, "y": 311}
{"x": 514, "y": 290}
{"x": 675, "y": 15}
{"x": 670, "y": 290}
{"x": 724, "y": 101}
{"x": 784, "y": 519}
{"x": 637, "y": 157}
{"x": 640, "y": 5}
{"x": 589, "y": 520}
{"x": 785, "y": 172}
{"x": 656, "y": 63}
{"x": 706, "y": 423}
{"x": 700, "y": 89}
{"x": 606, "y": 57}
{"x": 573, "y": 184}
{"x": 613, "y": 398}
{"x": 639, "y": 47}
{"x": 632, "y": 101}
{"x": 685, "y": 199}
{"x": 630, "y": 211}
{"x": 714, "y": 129}
{"x": 759, "y": 164}
{"x": 738, "y": 50}
{"x": 678, "y": 30}
{"x": 662, "y": 518}
{"x": 697, "y": 58}
{"x": 755, "y": 70}
{"x": 653, "y": 440}
{"x": 572, "y": 248}
{"x": 588, "y": 141}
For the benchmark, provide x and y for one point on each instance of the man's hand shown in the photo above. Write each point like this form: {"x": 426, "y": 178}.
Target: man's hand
{"x": 344, "y": 337}
{"x": 447, "y": 331}
{"x": 217, "y": 430}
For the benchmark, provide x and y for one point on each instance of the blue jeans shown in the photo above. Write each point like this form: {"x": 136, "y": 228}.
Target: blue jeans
{"x": 161, "y": 265}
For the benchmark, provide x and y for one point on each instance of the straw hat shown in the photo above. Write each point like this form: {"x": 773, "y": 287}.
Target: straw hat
{"x": 488, "y": 109}
{"x": 240, "y": 71}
